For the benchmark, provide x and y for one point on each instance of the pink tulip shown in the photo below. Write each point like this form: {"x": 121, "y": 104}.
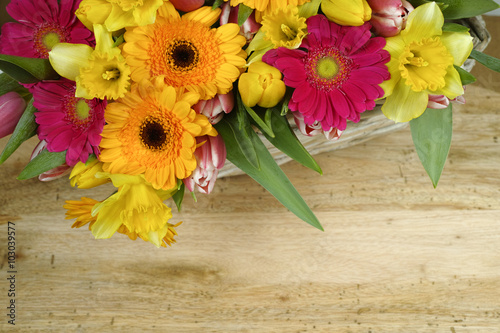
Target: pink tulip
{"x": 230, "y": 15}
{"x": 389, "y": 16}
{"x": 210, "y": 157}
{"x": 187, "y": 5}
{"x": 12, "y": 106}
{"x": 442, "y": 102}
{"x": 51, "y": 174}
{"x": 315, "y": 129}
{"x": 213, "y": 108}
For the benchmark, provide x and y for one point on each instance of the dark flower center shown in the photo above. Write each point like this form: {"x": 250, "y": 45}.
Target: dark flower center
{"x": 182, "y": 55}
{"x": 153, "y": 134}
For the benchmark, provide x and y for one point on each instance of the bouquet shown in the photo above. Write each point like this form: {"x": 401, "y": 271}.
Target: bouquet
{"x": 153, "y": 96}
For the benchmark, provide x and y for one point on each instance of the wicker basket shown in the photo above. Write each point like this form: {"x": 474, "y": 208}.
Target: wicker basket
{"x": 372, "y": 124}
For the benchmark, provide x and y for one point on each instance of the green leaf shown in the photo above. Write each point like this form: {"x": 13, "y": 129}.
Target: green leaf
{"x": 8, "y": 84}
{"x": 178, "y": 196}
{"x": 486, "y": 60}
{"x": 27, "y": 70}
{"x": 454, "y": 27}
{"x": 431, "y": 133}
{"x": 242, "y": 130}
{"x": 465, "y": 77}
{"x": 270, "y": 175}
{"x": 42, "y": 162}
{"x": 286, "y": 100}
{"x": 217, "y": 4}
{"x": 244, "y": 13}
{"x": 261, "y": 124}
{"x": 25, "y": 129}
{"x": 286, "y": 141}
{"x": 457, "y": 9}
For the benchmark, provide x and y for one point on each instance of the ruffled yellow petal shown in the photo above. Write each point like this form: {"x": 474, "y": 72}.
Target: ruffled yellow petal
{"x": 453, "y": 85}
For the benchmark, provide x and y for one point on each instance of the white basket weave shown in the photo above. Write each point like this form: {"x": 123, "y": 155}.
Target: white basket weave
{"x": 372, "y": 124}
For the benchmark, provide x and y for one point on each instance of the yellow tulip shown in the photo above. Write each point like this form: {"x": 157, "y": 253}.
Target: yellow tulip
{"x": 83, "y": 175}
{"x": 261, "y": 85}
{"x": 347, "y": 12}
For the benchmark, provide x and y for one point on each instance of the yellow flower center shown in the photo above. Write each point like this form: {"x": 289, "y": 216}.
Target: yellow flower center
{"x": 284, "y": 27}
{"x": 51, "y": 39}
{"x": 107, "y": 75}
{"x": 424, "y": 64}
{"x": 290, "y": 34}
{"x": 82, "y": 109}
{"x": 111, "y": 74}
{"x": 46, "y": 36}
{"x": 327, "y": 67}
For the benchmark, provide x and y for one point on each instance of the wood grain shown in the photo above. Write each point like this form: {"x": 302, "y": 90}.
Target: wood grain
{"x": 396, "y": 254}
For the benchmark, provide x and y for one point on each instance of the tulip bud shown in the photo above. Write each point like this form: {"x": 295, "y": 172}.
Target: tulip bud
{"x": 83, "y": 175}
{"x": 51, "y": 174}
{"x": 315, "y": 129}
{"x": 442, "y": 102}
{"x": 230, "y": 15}
{"x": 215, "y": 108}
{"x": 389, "y": 16}
{"x": 12, "y": 106}
{"x": 261, "y": 85}
{"x": 187, "y": 5}
{"x": 438, "y": 102}
{"x": 347, "y": 12}
{"x": 210, "y": 157}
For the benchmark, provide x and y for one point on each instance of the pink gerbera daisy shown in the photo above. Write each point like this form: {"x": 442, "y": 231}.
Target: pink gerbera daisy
{"x": 41, "y": 25}
{"x": 67, "y": 122}
{"x": 336, "y": 72}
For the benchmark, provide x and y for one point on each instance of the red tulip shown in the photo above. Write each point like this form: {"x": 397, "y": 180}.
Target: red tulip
{"x": 230, "y": 15}
{"x": 210, "y": 157}
{"x": 215, "y": 108}
{"x": 12, "y": 106}
{"x": 389, "y": 16}
{"x": 187, "y": 5}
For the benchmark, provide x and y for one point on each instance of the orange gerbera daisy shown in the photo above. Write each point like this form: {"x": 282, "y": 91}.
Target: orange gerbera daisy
{"x": 152, "y": 131}
{"x": 186, "y": 52}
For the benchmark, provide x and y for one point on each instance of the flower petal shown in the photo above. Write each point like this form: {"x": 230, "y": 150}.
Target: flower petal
{"x": 67, "y": 59}
{"x": 405, "y": 104}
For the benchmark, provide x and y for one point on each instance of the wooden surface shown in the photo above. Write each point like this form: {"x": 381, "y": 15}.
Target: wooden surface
{"x": 396, "y": 254}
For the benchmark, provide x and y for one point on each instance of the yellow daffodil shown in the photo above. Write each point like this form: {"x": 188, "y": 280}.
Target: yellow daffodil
{"x": 100, "y": 73}
{"x": 137, "y": 206}
{"x": 282, "y": 27}
{"x": 347, "y": 12}
{"x": 422, "y": 59}
{"x": 261, "y": 85}
{"x": 81, "y": 210}
{"x": 117, "y": 14}
{"x": 83, "y": 175}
